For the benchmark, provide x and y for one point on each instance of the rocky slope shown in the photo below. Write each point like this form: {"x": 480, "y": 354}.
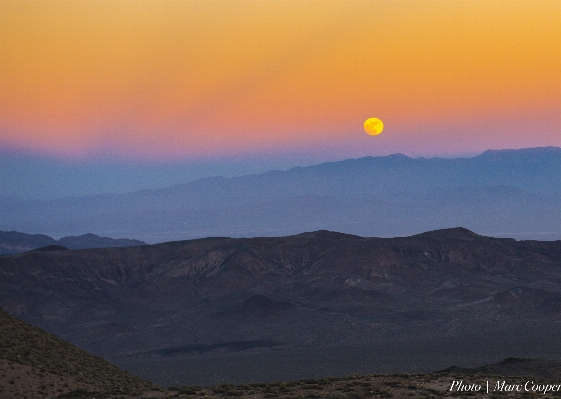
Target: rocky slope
{"x": 35, "y": 364}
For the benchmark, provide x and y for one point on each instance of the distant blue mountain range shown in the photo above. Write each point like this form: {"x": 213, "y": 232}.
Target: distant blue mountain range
{"x": 509, "y": 193}
{"x": 13, "y": 242}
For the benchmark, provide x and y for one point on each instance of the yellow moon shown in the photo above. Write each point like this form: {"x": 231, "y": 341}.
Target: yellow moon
{"x": 373, "y": 126}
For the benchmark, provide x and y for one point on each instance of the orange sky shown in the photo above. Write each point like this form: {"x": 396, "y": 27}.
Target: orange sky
{"x": 192, "y": 79}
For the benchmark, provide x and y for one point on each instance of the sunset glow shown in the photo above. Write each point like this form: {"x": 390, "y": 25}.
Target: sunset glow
{"x": 198, "y": 79}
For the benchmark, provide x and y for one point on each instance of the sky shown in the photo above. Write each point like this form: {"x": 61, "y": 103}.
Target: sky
{"x": 101, "y": 96}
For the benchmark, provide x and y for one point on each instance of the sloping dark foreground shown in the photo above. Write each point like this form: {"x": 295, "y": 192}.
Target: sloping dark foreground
{"x": 41, "y": 365}
{"x": 36, "y": 365}
{"x": 310, "y": 305}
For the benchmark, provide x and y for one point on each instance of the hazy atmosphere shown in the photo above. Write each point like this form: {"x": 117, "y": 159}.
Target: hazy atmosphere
{"x": 104, "y": 96}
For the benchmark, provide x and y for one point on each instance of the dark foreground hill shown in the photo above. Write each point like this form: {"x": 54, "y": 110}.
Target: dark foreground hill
{"x": 310, "y": 305}
{"x": 13, "y": 242}
{"x": 34, "y": 363}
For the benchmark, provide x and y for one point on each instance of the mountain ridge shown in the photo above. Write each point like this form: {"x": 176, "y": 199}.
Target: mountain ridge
{"x": 13, "y": 242}
{"x": 499, "y": 193}
{"x": 303, "y": 292}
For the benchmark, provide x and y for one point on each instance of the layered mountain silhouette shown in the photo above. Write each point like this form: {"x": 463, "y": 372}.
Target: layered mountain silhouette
{"x": 508, "y": 193}
{"x": 13, "y": 242}
{"x": 414, "y": 303}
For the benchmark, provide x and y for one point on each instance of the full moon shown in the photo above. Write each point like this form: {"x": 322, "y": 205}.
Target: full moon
{"x": 373, "y": 126}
